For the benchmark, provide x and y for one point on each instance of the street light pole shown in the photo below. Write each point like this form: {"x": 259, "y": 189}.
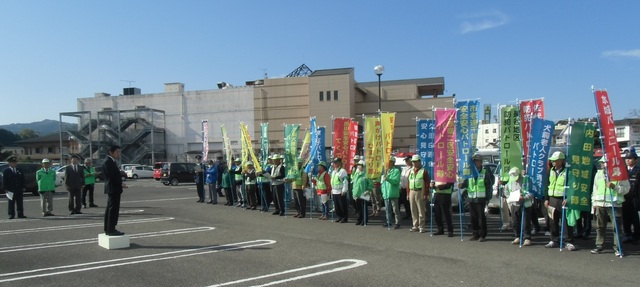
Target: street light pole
{"x": 379, "y": 69}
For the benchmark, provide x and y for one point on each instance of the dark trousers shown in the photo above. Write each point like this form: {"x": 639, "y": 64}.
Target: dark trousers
{"x": 87, "y": 189}
{"x": 342, "y": 209}
{"x": 278, "y": 193}
{"x": 554, "y": 224}
{"x": 234, "y": 193}
{"x": 442, "y": 205}
{"x": 200, "y": 190}
{"x": 404, "y": 201}
{"x": 266, "y": 197}
{"x": 516, "y": 220}
{"x": 229, "y": 191}
{"x": 361, "y": 211}
{"x": 630, "y": 218}
{"x": 251, "y": 195}
{"x": 478, "y": 219}
{"x": 301, "y": 201}
{"x": 583, "y": 225}
{"x": 535, "y": 207}
{"x": 75, "y": 199}
{"x": 16, "y": 203}
{"x": 112, "y": 212}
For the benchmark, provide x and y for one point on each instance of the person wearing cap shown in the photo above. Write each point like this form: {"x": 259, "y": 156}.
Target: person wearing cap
{"x": 46, "y": 179}
{"x": 418, "y": 193}
{"x": 339, "y": 189}
{"x": 74, "y": 182}
{"x": 323, "y": 187}
{"x": 199, "y": 178}
{"x": 277, "y": 185}
{"x": 236, "y": 171}
{"x": 404, "y": 187}
{"x": 299, "y": 182}
{"x": 629, "y": 211}
{"x": 13, "y": 183}
{"x": 517, "y": 197}
{"x": 211, "y": 174}
{"x": 605, "y": 194}
{"x": 391, "y": 192}
{"x": 554, "y": 199}
{"x": 249, "y": 174}
{"x": 89, "y": 183}
{"x": 479, "y": 191}
{"x": 266, "y": 196}
{"x": 361, "y": 186}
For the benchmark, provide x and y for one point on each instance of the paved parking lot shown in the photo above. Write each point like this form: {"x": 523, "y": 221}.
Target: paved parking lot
{"x": 178, "y": 242}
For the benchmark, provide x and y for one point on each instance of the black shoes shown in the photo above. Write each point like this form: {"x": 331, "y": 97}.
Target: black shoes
{"x": 115, "y": 233}
{"x": 21, "y": 216}
{"x": 92, "y": 205}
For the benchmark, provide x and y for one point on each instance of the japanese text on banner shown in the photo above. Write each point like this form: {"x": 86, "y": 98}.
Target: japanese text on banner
{"x": 580, "y": 162}
{"x": 373, "y": 147}
{"x": 510, "y": 141}
{"x": 341, "y": 139}
{"x": 426, "y": 134}
{"x": 467, "y": 126}
{"x": 353, "y": 143}
{"x": 445, "y": 157}
{"x": 537, "y": 168}
{"x": 615, "y": 166}
{"x": 290, "y": 149}
{"x": 528, "y": 111}
{"x": 205, "y": 140}
{"x": 388, "y": 121}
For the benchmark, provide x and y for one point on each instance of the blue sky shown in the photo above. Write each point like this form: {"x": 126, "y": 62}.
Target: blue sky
{"x": 53, "y": 52}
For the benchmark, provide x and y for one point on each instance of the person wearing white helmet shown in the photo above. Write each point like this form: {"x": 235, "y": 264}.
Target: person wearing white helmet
{"x": 249, "y": 173}
{"x": 361, "y": 186}
{"x": 46, "y": 178}
{"x": 554, "y": 199}
{"x": 519, "y": 201}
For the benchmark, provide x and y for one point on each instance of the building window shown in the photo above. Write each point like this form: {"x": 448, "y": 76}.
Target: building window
{"x": 328, "y": 95}
{"x": 50, "y": 150}
{"x": 335, "y": 95}
{"x": 486, "y": 131}
{"x": 620, "y": 132}
{"x": 495, "y": 131}
{"x": 37, "y": 150}
{"x": 321, "y": 96}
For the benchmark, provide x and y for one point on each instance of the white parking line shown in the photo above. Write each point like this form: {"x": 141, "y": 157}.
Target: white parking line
{"x": 76, "y": 226}
{"x": 68, "y": 216}
{"x": 146, "y": 200}
{"x": 93, "y": 240}
{"x": 354, "y": 263}
{"x": 124, "y": 261}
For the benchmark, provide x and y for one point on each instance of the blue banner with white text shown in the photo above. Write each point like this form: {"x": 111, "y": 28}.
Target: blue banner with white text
{"x": 425, "y": 135}
{"x": 313, "y": 128}
{"x": 537, "y": 167}
{"x": 467, "y": 130}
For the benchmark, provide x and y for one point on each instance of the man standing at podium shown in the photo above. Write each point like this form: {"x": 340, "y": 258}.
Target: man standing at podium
{"x": 113, "y": 189}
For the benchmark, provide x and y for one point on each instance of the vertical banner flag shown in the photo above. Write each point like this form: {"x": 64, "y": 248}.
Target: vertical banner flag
{"x": 290, "y": 149}
{"x": 373, "y": 147}
{"x": 580, "y": 162}
{"x": 205, "y": 140}
{"x": 321, "y": 154}
{"x": 616, "y": 169}
{"x": 444, "y": 146}
{"x": 249, "y": 148}
{"x": 264, "y": 142}
{"x": 388, "y": 122}
{"x": 305, "y": 148}
{"x": 244, "y": 155}
{"x": 228, "y": 152}
{"x": 510, "y": 141}
{"x": 426, "y": 134}
{"x": 353, "y": 144}
{"x": 466, "y": 127}
{"x": 313, "y": 128}
{"x": 538, "y": 165}
{"x": 529, "y": 110}
{"x": 341, "y": 140}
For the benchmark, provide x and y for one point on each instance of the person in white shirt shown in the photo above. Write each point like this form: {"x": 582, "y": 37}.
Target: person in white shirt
{"x": 404, "y": 187}
{"x": 339, "y": 189}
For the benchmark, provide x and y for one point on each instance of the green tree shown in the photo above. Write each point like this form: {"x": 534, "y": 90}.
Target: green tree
{"x": 27, "y": 134}
{"x": 7, "y": 138}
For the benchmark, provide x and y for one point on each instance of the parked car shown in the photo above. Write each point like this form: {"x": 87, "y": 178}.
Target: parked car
{"x": 157, "y": 170}
{"x": 29, "y": 170}
{"x": 127, "y": 166}
{"x": 178, "y": 172}
{"x": 492, "y": 167}
{"x": 141, "y": 171}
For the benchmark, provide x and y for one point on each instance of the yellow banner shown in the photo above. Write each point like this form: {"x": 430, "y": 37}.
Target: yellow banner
{"x": 373, "y": 147}
{"x": 247, "y": 148}
{"x": 388, "y": 121}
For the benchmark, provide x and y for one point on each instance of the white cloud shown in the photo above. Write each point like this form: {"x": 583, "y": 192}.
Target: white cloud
{"x": 483, "y": 21}
{"x": 622, "y": 53}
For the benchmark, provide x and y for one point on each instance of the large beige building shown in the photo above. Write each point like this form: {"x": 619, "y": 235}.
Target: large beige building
{"x": 334, "y": 93}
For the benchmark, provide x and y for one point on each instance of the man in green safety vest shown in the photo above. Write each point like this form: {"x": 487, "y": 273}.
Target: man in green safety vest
{"x": 605, "y": 193}
{"x": 478, "y": 191}
{"x": 418, "y": 193}
{"x": 554, "y": 200}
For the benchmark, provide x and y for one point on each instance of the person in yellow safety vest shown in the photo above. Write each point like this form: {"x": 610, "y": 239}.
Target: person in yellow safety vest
{"x": 267, "y": 196}
{"x": 361, "y": 186}
{"x": 418, "y": 193}
{"x": 46, "y": 179}
{"x": 391, "y": 192}
{"x": 236, "y": 170}
{"x": 322, "y": 181}
{"x": 478, "y": 192}
{"x": 339, "y": 189}
{"x": 601, "y": 200}
{"x": 554, "y": 200}
{"x": 277, "y": 185}
{"x": 300, "y": 181}
{"x": 249, "y": 174}
{"x": 89, "y": 183}
{"x": 517, "y": 196}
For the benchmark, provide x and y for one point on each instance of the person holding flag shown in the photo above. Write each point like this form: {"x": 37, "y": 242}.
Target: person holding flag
{"x": 404, "y": 187}
{"x": 277, "y": 185}
{"x": 605, "y": 194}
{"x": 361, "y": 186}
{"x": 419, "y": 193}
{"x": 519, "y": 201}
{"x": 249, "y": 174}
{"x": 479, "y": 190}
{"x": 442, "y": 204}
{"x": 323, "y": 186}
{"x": 227, "y": 184}
{"x": 299, "y": 182}
{"x": 339, "y": 189}
{"x": 391, "y": 192}
{"x": 236, "y": 171}
{"x": 263, "y": 179}
{"x": 554, "y": 201}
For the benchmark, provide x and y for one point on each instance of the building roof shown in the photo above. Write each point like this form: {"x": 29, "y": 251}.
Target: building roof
{"x": 331, "y": 72}
{"x": 426, "y": 86}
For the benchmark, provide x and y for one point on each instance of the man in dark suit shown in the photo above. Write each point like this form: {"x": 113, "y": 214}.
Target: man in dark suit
{"x": 73, "y": 182}
{"x": 629, "y": 212}
{"x": 113, "y": 189}
{"x": 13, "y": 182}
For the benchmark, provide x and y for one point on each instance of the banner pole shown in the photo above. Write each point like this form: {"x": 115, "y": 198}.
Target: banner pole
{"x": 564, "y": 194}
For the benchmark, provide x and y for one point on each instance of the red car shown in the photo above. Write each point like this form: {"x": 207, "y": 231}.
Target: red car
{"x": 157, "y": 170}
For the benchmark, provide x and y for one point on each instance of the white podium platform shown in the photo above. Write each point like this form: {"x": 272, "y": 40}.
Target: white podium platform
{"x": 113, "y": 242}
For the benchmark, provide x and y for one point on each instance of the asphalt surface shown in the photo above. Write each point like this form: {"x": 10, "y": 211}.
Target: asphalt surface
{"x": 178, "y": 242}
